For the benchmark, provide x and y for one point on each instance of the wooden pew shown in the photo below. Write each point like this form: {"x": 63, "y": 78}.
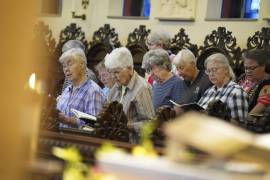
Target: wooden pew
{"x": 180, "y": 41}
{"x": 221, "y": 41}
{"x": 136, "y": 43}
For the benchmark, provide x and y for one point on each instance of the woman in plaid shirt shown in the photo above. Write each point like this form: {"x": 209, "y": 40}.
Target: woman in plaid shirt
{"x": 82, "y": 94}
{"x": 224, "y": 89}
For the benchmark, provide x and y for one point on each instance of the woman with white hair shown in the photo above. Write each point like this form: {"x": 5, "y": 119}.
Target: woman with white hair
{"x": 196, "y": 81}
{"x": 167, "y": 86}
{"x": 224, "y": 89}
{"x": 130, "y": 89}
{"x": 82, "y": 94}
{"x": 159, "y": 39}
{"x": 78, "y": 45}
{"x": 105, "y": 77}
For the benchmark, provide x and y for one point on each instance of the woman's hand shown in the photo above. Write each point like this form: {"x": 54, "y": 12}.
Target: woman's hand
{"x": 178, "y": 110}
{"x": 67, "y": 120}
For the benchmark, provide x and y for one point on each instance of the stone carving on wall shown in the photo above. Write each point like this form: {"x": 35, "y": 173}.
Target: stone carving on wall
{"x": 177, "y": 9}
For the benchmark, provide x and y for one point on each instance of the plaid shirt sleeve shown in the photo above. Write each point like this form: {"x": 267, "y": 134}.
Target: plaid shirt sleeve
{"x": 238, "y": 104}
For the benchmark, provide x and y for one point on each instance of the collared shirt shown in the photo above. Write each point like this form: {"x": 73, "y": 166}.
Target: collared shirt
{"x": 137, "y": 100}
{"x": 196, "y": 89}
{"x": 172, "y": 89}
{"x": 106, "y": 91}
{"x": 87, "y": 98}
{"x": 233, "y": 95}
{"x": 90, "y": 75}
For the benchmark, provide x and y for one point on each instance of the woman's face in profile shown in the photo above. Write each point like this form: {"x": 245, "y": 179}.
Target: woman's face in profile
{"x": 122, "y": 76}
{"x": 106, "y": 78}
{"x": 253, "y": 71}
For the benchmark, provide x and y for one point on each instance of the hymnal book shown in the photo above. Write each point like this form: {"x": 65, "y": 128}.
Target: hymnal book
{"x": 188, "y": 106}
{"x": 83, "y": 116}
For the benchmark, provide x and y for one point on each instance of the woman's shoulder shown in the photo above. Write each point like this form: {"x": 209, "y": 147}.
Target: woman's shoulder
{"x": 235, "y": 85}
{"x": 175, "y": 80}
{"x": 92, "y": 86}
{"x": 236, "y": 88}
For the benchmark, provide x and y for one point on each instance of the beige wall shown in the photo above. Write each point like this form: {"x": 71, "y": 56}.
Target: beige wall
{"x": 98, "y": 10}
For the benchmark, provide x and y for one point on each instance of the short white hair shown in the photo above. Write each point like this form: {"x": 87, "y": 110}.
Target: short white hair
{"x": 184, "y": 56}
{"x": 74, "y": 53}
{"x": 157, "y": 57}
{"x": 73, "y": 44}
{"x": 119, "y": 58}
{"x": 161, "y": 37}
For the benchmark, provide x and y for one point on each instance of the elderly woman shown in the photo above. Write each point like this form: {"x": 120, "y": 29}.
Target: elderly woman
{"x": 224, "y": 89}
{"x": 105, "y": 77}
{"x": 196, "y": 81}
{"x": 255, "y": 77}
{"x": 82, "y": 94}
{"x": 167, "y": 86}
{"x": 130, "y": 89}
{"x": 77, "y": 44}
{"x": 160, "y": 39}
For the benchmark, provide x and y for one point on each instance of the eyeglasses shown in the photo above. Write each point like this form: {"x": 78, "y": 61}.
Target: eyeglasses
{"x": 212, "y": 70}
{"x": 180, "y": 68}
{"x": 250, "y": 68}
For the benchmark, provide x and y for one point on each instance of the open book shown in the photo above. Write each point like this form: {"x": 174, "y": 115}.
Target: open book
{"x": 219, "y": 139}
{"x": 188, "y": 106}
{"x": 83, "y": 116}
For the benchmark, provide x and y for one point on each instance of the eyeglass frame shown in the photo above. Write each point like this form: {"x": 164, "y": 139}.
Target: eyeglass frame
{"x": 251, "y": 68}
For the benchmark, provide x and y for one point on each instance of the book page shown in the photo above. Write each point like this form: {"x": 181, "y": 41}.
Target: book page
{"x": 188, "y": 106}
{"x": 82, "y": 115}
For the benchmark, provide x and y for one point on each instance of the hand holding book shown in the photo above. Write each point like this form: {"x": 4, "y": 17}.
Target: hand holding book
{"x": 67, "y": 120}
{"x": 188, "y": 106}
{"x": 87, "y": 118}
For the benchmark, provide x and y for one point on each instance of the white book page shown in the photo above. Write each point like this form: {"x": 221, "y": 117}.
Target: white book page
{"x": 80, "y": 114}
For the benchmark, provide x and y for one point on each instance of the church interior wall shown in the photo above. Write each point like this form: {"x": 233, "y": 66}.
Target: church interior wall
{"x": 97, "y": 12}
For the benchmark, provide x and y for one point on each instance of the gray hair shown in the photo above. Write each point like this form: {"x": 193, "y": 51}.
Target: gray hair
{"x": 222, "y": 59}
{"x": 119, "y": 58}
{"x": 75, "y": 53}
{"x": 184, "y": 56}
{"x": 157, "y": 57}
{"x": 160, "y": 37}
{"x": 73, "y": 44}
{"x": 100, "y": 65}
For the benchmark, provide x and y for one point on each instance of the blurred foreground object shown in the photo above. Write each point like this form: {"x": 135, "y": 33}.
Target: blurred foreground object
{"x": 20, "y": 105}
{"x": 219, "y": 139}
{"x": 74, "y": 168}
{"x": 124, "y": 166}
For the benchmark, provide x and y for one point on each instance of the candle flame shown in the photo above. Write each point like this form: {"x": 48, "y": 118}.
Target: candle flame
{"x": 32, "y": 81}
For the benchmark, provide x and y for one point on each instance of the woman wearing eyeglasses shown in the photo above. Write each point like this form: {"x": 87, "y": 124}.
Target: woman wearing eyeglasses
{"x": 224, "y": 88}
{"x": 255, "y": 76}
